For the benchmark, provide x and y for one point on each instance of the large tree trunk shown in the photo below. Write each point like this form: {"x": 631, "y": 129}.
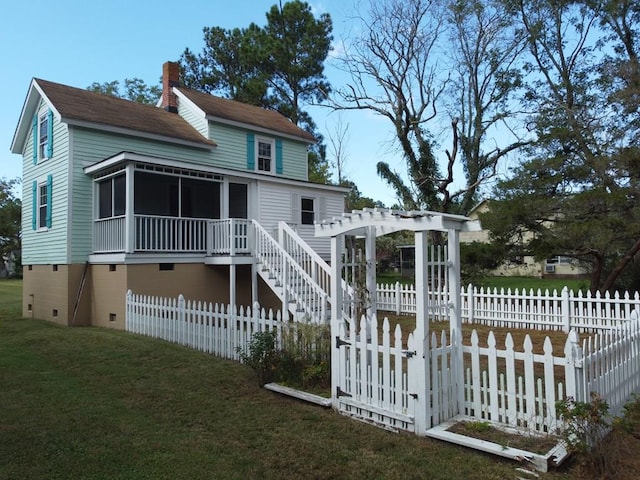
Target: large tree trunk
{"x": 622, "y": 264}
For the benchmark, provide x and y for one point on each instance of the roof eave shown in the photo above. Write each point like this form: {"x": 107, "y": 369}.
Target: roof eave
{"x": 205, "y": 144}
{"x": 34, "y": 95}
{"x": 257, "y": 128}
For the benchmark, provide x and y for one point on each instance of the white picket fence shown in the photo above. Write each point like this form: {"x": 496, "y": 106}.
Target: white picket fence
{"x": 202, "y": 326}
{"x": 499, "y": 383}
{"x": 534, "y": 310}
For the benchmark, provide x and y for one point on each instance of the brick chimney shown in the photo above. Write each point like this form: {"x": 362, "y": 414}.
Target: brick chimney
{"x": 170, "y": 79}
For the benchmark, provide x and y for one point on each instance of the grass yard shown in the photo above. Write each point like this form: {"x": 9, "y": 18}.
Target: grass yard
{"x": 90, "y": 403}
{"x": 94, "y": 403}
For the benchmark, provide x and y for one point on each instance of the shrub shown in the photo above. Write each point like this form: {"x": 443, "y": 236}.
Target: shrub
{"x": 262, "y": 355}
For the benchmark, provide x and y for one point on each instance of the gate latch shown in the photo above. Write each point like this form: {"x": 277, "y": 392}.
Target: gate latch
{"x": 409, "y": 353}
{"x": 340, "y": 342}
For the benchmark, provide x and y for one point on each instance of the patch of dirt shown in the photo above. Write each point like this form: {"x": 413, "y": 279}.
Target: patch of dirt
{"x": 484, "y": 431}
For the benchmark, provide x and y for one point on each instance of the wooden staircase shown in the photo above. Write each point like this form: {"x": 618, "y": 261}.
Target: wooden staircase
{"x": 295, "y": 272}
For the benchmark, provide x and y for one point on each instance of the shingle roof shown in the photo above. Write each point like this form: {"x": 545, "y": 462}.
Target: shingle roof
{"x": 246, "y": 114}
{"x": 95, "y": 108}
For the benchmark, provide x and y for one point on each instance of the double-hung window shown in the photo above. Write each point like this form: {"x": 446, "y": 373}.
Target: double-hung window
{"x": 307, "y": 212}
{"x": 43, "y": 205}
{"x": 43, "y": 136}
{"x": 42, "y": 199}
{"x": 265, "y": 150}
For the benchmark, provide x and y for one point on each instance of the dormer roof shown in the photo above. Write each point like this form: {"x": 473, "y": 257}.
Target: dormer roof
{"x": 242, "y": 114}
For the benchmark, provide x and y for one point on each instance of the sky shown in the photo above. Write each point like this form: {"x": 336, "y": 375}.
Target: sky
{"x": 78, "y": 42}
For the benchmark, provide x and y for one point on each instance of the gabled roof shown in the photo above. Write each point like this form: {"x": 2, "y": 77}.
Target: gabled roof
{"x": 231, "y": 111}
{"x": 95, "y": 110}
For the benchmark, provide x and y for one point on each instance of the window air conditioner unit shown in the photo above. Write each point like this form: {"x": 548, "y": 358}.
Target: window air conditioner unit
{"x": 550, "y": 269}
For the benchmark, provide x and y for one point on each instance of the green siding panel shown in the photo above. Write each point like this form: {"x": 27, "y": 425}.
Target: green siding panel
{"x": 49, "y": 246}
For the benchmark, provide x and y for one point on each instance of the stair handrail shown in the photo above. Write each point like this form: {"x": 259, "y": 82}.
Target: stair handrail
{"x": 315, "y": 266}
{"x": 290, "y": 274}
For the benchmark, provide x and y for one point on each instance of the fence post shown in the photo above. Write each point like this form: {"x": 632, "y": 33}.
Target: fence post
{"x": 565, "y": 306}
{"x": 398, "y": 299}
{"x": 127, "y": 313}
{"x": 181, "y": 320}
{"x": 573, "y": 368}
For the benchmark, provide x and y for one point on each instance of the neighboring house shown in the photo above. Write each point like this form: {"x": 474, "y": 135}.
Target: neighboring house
{"x": 527, "y": 265}
{"x": 160, "y": 200}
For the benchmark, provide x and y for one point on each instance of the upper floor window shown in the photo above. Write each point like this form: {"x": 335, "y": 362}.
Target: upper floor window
{"x": 43, "y": 136}
{"x": 265, "y": 159}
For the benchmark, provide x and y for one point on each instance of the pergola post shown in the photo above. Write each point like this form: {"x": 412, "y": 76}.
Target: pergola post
{"x": 455, "y": 317}
{"x": 336, "y": 314}
{"x": 420, "y": 360}
{"x": 370, "y": 261}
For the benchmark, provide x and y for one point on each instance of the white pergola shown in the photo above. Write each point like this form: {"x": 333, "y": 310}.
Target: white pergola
{"x": 372, "y": 223}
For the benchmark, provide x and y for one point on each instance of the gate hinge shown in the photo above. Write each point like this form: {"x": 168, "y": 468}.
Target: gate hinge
{"x": 341, "y": 393}
{"x": 340, "y": 342}
{"x": 413, "y": 395}
{"x": 409, "y": 353}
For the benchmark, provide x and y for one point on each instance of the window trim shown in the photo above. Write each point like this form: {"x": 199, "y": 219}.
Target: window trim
{"x": 272, "y": 161}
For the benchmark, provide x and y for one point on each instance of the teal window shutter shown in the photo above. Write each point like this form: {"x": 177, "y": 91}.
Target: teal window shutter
{"x": 251, "y": 152}
{"x": 49, "y": 197}
{"x": 34, "y": 209}
{"x": 278, "y": 156}
{"x": 35, "y": 139}
{"x": 49, "y": 134}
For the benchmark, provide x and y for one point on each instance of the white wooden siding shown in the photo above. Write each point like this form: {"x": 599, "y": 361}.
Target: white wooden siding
{"x": 195, "y": 118}
{"x": 274, "y": 203}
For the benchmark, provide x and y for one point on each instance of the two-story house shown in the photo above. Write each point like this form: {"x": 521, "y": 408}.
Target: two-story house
{"x": 186, "y": 197}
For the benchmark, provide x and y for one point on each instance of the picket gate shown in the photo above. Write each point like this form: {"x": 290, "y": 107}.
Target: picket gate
{"x": 374, "y": 374}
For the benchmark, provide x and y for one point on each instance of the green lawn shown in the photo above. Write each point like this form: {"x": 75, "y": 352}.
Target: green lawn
{"x": 90, "y": 403}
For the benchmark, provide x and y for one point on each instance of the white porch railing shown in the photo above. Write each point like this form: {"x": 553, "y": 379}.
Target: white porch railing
{"x": 149, "y": 233}
{"x": 170, "y": 234}
{"x": 109, "y": 234}
{"x": 229, "y": 236}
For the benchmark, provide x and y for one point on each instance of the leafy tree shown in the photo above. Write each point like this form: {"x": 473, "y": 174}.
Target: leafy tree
{"x": 10, "y": 212}
{"x": 355, "y": 200}
{"x": 297, "y": 44}
{"x": 134, "y": 89}
{"x": 577, "y": 192}
{"x": 230, "y": 64}
{"x": 279, "y": 66}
